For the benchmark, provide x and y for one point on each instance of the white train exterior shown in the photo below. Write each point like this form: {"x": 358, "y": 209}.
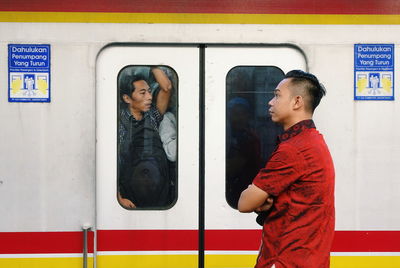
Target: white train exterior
{"x": 58, "y": 158}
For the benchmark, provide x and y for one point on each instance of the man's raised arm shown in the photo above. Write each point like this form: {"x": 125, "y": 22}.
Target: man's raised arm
{"x": 165, "y": 89}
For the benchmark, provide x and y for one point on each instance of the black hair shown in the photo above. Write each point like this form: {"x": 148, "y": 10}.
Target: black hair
{"x": 126, "y": 85}
{"x": 313, "y": 87}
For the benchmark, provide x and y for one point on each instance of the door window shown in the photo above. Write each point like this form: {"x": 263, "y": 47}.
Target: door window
{"x": 250, "y": 134}
{"x": 147, "y": 137}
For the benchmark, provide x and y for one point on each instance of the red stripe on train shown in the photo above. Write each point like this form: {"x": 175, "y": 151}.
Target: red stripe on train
{"x": 127, "y": 240}
{"x": 232, "y": 239}
{"x": 366, "y": 241}
{"x": 209, "y": 6}
{"x": 43, "y": 242}
{"x": 179, "y": 240}
{"x": 344, "y": 241}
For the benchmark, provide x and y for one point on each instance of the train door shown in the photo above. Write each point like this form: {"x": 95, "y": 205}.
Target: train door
{"x": 223, "y": 89}
{"x": 239, "y": 137}
{"x": 135, "y": 229}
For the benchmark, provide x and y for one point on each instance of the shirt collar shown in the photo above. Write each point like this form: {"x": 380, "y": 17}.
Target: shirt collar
{"x": 296, "y": 129}
{"x": 126, "y": 114}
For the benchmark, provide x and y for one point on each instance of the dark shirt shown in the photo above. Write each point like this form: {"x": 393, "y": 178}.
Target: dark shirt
{"x": 142, "y": 163}
{"x": 128, "y": 125}
{"x": 300, "y": 175}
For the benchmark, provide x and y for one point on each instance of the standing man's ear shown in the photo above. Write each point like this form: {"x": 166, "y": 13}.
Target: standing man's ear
{"x": 298, "y": 102}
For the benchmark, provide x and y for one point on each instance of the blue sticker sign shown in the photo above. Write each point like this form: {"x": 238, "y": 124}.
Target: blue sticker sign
{"x": 374, "y": 72}
{"x": 28, "y": 73}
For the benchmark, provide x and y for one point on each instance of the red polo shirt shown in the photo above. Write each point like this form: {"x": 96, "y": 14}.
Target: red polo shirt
{"x": 300, "y": 175}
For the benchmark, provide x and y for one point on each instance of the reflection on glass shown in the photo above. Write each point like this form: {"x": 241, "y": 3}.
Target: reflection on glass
{"x": 147, "y": 137}
{"x": 251, "y": 136}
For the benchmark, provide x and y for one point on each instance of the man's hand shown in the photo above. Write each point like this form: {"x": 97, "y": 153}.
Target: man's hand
{"x": 126, "y": 203}
{"x": 253, "y": 198}
{"x": 266, "y": 206}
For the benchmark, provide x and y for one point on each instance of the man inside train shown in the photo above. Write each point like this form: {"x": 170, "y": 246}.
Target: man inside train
{"x": 296, "y": 186}
{"x": 143, "y": 179}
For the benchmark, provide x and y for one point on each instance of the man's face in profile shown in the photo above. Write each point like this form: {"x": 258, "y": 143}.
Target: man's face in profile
{"x": 281, "y": 105}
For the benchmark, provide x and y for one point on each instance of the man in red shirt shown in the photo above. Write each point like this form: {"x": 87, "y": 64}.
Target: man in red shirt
{"x": 297, "y": 184}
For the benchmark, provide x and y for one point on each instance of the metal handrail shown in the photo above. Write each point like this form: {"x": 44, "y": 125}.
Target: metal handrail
{"x": 85, "y": 229}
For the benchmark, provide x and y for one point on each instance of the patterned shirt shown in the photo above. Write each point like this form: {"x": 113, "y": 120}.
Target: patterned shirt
{"x": 300, "y": 175}
{"x": 128, "y": 125}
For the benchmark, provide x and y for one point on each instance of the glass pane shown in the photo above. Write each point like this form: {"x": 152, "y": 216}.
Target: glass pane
{"x": 251, "y": 136}
{"x": 147, "y": 137}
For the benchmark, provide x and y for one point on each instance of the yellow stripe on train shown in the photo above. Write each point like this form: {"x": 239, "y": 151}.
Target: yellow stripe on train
{"x": 147, "y": 261}
{"x": 186, "y": 261}
{"x": 103, "y": 17}
{"x": 70, "y": 262}
{"x": 365, "y": 261}
{"x": 248, "y": 261}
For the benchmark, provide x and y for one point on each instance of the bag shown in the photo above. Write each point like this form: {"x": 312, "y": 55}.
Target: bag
{"x": 144, "y": 175}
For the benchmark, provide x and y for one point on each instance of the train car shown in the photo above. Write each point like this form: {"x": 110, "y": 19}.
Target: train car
{"x": 61, "y": 66}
